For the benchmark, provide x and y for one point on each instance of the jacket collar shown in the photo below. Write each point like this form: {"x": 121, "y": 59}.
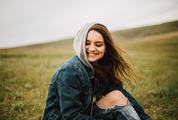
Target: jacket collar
{"x": 88, "y": 70}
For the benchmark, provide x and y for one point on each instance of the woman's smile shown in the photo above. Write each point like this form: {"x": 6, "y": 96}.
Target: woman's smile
{"x": 92, "y": 54}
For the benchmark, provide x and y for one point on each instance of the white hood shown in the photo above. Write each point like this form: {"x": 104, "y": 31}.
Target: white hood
{"x": 79, "y": 44}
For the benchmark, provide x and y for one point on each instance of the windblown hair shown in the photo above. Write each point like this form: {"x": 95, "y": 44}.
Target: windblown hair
{"x": 113, "y": 66}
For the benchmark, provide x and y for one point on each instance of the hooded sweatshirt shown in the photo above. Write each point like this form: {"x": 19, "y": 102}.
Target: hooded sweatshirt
{"x": 79, "y": 44}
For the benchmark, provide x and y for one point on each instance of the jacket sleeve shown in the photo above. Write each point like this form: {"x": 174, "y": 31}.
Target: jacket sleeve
{"x": 69, "y": 90}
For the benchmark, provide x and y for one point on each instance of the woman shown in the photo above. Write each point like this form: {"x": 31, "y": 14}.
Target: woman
{"x": 89, "y": 86}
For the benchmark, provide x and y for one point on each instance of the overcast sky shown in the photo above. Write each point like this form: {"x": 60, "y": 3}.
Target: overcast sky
{"x": 24, "y": 22}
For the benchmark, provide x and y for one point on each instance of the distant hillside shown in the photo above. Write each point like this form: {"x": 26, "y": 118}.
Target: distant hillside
{"x": 134, "y": 33}
{"x": 147, "y": 30}
{"x": 127, "y": 34}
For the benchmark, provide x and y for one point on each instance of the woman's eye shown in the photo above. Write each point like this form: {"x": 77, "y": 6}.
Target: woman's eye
{"x": 87, "y": 43}
{"x": 99, "y": 45}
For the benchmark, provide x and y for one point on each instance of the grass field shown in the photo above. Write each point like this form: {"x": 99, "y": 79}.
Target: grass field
{"x": 25, "y": 75}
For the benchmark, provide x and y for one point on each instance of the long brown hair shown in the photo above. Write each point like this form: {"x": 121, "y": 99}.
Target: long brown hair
{"x": 113, "y": 66}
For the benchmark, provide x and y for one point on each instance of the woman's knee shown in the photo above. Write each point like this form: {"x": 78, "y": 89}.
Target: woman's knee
{"x": 112, "y": 99}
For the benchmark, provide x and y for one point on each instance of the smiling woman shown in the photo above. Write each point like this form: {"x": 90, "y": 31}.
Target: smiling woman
{"x": 90, "y": 85}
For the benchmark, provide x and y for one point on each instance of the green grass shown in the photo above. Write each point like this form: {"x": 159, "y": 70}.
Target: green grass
{"x": 156, "y": 62}
{"x": 25, "y": 75}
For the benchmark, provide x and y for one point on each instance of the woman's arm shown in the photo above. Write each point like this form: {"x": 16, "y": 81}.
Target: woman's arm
{"x": 69, "y": 90}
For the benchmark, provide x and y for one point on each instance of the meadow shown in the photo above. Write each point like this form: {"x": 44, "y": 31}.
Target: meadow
{"x": 25, "y": 72}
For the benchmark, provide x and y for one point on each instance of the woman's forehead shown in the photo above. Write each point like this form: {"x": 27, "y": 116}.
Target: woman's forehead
{"x": 94, "y": 35}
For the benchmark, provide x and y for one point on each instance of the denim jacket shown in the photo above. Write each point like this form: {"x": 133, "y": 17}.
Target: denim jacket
{"x": 70, "y": 93}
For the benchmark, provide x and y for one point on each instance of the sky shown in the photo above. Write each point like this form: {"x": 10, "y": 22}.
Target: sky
{"x": 25, "y": 22}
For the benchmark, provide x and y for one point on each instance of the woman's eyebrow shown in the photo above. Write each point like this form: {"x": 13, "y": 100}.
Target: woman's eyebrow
{"x": 87, "y": 40}
{"x": 99, "y": 42}
{"x": 95, "y": 41}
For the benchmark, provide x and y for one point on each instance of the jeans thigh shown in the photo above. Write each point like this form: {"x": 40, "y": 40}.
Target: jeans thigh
{"x": 103, "y": 114}
{"x": 126, "y": 112}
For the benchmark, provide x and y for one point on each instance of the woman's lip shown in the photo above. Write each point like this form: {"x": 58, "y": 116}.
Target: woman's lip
{"x": 92, "y": 54}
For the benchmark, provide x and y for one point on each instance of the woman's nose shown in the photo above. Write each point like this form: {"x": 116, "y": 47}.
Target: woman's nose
{"x": 92, "y": 48}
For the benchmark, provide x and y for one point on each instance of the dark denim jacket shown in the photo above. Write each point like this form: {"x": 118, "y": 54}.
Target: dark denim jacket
{"x": 70, "y": 93}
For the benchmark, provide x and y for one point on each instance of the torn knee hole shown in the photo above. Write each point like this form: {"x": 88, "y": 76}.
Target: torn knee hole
{"x": 106, "y": 107}
{"x": 112, "y": 99}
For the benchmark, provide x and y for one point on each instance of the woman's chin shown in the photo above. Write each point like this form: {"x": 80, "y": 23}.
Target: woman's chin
{"x": 92, "y": 59}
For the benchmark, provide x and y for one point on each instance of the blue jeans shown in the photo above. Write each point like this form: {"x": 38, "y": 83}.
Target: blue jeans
{"x": 126, "y": 112}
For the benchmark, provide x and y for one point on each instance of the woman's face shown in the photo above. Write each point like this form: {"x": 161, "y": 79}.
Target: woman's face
{"x": 95, "y": 46}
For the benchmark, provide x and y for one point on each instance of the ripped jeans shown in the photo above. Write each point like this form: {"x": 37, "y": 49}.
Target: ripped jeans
{"x": 126, "y": 112}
